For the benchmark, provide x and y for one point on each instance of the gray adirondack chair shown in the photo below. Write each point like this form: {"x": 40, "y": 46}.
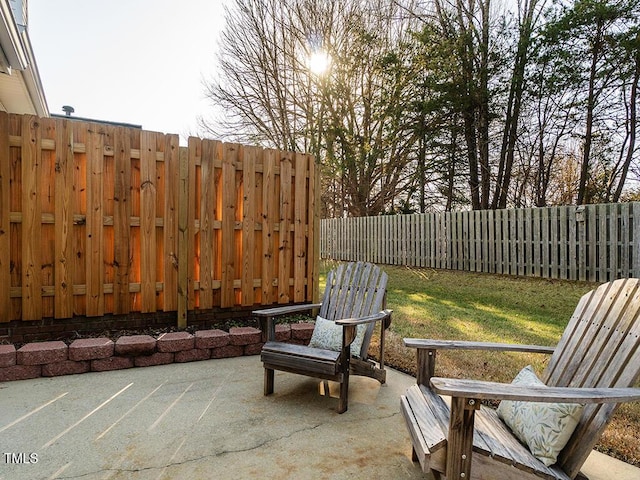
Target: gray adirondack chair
{"x": 595, "y": 363}
{"x": 354, "y": 295}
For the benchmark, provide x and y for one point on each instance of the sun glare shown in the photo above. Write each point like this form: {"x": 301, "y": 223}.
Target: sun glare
{"x": 319, "y": 62}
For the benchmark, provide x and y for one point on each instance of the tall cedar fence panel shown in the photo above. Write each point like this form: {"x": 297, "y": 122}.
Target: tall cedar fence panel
{"x": 98, "y": 219}
{"x": 594, "y": 243}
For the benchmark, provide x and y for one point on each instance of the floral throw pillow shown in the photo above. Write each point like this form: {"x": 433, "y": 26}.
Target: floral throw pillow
{"x": 544, "y": 427}
{"x": 328, "y": 335}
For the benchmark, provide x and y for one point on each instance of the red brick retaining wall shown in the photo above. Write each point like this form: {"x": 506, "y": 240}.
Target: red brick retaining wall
{"x": 50, "y": 359}
{"x": 22, "y": 331}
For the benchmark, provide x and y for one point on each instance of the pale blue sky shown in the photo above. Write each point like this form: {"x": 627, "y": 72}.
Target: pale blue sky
{"x": 133, "y": 61}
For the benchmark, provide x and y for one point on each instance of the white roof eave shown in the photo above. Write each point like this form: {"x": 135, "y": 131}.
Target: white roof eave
{"x": 10, "y": 39}
{"x": 33, "y": 81}
{"x": 17, "y": 54}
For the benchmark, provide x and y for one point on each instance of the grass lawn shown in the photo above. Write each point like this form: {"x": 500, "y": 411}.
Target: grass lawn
{"x": 453, "y": 305}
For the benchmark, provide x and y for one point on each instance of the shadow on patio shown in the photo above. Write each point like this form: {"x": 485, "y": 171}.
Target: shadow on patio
{"x": 206, "y": 420}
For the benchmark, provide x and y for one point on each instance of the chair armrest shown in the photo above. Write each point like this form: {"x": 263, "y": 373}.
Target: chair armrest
{"x": 482, "y": 390}
{"x": 368, "y": 319}
{"x": 286, "y": 310}
{"x": 349, "y": 333}
{"x": 427, "y": 348}
{"x": 267, "y": 315}
{"x": 429, "y": 344}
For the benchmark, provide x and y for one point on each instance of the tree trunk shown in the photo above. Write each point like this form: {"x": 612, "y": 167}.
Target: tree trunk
{"x": 633, "y": 123}
{"x": 583, "y": 195}
{"x": 483, "y": 110}
{"x": 516, "y": 90}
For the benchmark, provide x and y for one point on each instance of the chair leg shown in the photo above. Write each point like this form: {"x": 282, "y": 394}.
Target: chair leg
{"x": 344, "y": 393}
{"x": 268, "y": 381}
{"x": 414, "y": 455}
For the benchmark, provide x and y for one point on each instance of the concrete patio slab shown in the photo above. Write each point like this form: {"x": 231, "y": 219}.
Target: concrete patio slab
{"x": 209, "y": 420}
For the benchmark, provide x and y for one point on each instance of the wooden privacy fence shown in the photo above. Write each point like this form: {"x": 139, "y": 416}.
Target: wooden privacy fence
{"x": 591, "y": 243}
{"x": 98, "y": 219}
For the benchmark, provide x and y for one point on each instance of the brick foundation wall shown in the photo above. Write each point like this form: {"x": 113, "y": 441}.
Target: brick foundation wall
{"x": 54, "y": 358}
{"x": 19, "y": 332}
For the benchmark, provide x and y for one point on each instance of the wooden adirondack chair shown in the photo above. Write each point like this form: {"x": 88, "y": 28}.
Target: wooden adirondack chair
{"x": 595, "y": 363}
{"x": 354, "y": 295}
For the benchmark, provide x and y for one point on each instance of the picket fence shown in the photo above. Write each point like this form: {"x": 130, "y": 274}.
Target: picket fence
{"x": 593, "y": 243}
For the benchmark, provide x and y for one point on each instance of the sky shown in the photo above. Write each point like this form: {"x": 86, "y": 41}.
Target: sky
{"x": 135, "y": 61}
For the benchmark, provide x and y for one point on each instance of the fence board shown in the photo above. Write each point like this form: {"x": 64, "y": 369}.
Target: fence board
{"x": 573, "y": 244}
{"x": 269, "y": 208}
{"x": 63, "y": 222}
{"x": 229, "y": 197}
{"x": 422, "y": 262}
{"x": 284, "y": 254}
{"x": 514, "y": 242}
{"x": 581, "y": 242}
{"x": 502, "y": 232}
{"x": 207, "y": 217}
{"x": 80, "y": 206}
{"x": 148, "y": 189}
{"x": 613, "y": 246}
{"x": 108, "y": 205}
{"x": 544, "y": 242}
{"x": 625, "y": 235}
{"x": 470, "y": 231}
{"x": 592, "y": 242}
{"x": 170, "y": 224}
{"x": 185, "y": 234}
{"x": 47, "y": 161}
{"x": 487, "y": 241}
{"x": 602, "y": 240}
{"x": 521, "y": 267}
{"x": 635, "y": 245}
{"x": 563, "y": 234}
{"x": 250, "y": 156}
{"x": 461, "y": 241}
{"x": 503, "y": 258}
{"x": 192, "y": 198}
{"x": 5, "y": 219}
{"x": 94, "y": 261}
{"x": 313, "y": 238}
{"x": 536, "y": 242}
{"x": 31, "y": 219}
{"x": 121, "y": 220}
{"x": 300, "y": 222}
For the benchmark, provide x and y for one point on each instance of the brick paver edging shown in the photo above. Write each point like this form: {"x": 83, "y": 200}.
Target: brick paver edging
{"x": 50, "y": 359}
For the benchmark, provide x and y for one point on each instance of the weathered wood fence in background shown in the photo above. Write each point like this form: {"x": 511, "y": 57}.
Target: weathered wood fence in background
{"x": 592, "y": 242}
{"x": 98, "y": 219}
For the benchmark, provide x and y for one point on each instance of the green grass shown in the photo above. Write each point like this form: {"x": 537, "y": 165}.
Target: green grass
{"x": 444, "y": 304}
{"x": 470, "y": 306}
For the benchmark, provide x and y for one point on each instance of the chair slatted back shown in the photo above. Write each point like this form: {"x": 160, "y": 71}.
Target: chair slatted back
{"x": 355, "y": 290}
{"x": 599, "y": 348}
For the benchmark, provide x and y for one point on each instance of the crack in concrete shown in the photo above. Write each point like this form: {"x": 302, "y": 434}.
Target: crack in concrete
{"x": 231, "y": 451}
{"x": 195, "y": 459}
